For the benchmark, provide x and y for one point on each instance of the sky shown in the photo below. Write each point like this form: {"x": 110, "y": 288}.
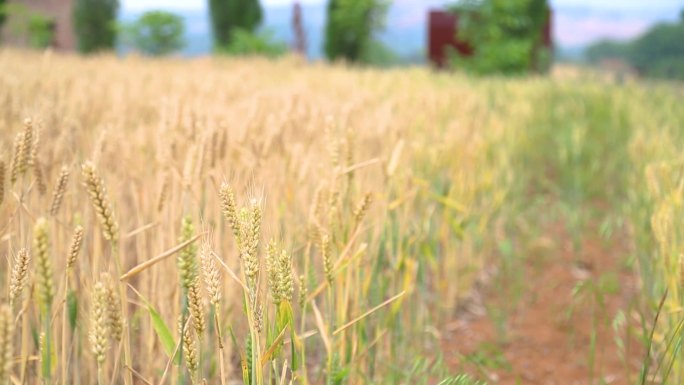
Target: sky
{"x": 576, "y": 23}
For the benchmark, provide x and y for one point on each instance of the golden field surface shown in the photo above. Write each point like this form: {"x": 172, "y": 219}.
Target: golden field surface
{"x": 256, "y": 221}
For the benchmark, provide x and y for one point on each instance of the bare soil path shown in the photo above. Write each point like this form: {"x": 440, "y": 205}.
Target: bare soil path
{"x": 536, "y": 326}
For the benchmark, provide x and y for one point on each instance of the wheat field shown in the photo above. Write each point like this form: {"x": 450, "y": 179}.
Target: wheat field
{"x": 222, "y": 221}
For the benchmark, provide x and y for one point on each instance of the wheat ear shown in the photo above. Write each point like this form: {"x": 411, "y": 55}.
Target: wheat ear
{"x": 98, "y": 196}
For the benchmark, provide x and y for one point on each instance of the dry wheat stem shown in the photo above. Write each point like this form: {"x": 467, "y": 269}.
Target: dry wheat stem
{"x": 6, "y": 343}
{"x": 145, "y": 265}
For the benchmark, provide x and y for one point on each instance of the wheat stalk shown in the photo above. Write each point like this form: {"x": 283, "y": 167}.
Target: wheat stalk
{"x": 19, "y": 275}
{"x": 212, "y": 278}
{"x": 362, "y": 208}
{"x": 44, "y": 281}
{"x": 303, "y": 291}
{"x": 35, "y": 163}
{"x": 17, "y": 156}
{"x": 6, "y": 335}
{"x": 26, "y": 145}
{"x": 272, "y": 271}
{"x": 99, "y": 323}
{"x": 2, "y": 181}
{"x": 38, "y": 176}
{"x": 285, "y": 276}
{"x": 681, "y": 271}
{"x": 98, "y": 196}
{"x": 189, "y": 347}
{"x": 252, "y": 226}
{"x": 58, "y": 193}
{"x": 195, "y": 306}
{"x": 187, "y": 266}
{"x": 279, "y": 271}
{"x": 324, "y": 247}
{"x": 164, "y": 192}
{"x": 75, "y": 246}
{"x": 114, "y": 317}
{"x": 229, "y": 209}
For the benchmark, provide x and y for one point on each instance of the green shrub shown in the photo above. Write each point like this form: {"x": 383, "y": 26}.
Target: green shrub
{"x": 157, "y": 33}
{"x": 41, "y": 31}
{"x": 245, "y": 43}
{"x": 379, "y": 54}
{"x": 33, "y": 28}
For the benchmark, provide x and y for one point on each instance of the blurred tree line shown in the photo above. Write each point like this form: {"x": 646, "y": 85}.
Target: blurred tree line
{"x": 235, "y": 24}
{"x": 658, "y": 53}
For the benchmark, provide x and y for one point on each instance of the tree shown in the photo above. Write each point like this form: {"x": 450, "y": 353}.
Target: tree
{"x": 606, "y": 49}
{"x": 229, "y": 15}
{"x": 157, "y": 33}
{"x": 660, "y": 51}
{"x": 94, "y": 24}
{"x": 350, "y": 27}
{"x": 506, "y": 35}
{"x": 2, "y": 12}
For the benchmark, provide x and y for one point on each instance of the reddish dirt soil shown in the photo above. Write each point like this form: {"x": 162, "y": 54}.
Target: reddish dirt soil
{"x": 542, "y": 341}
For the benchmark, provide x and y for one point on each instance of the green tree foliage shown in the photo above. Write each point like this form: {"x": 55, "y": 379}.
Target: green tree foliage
{"x": 230, "y": 15}
{"x": 95, "y": 24}
{"x": 2, "y": 12}
{"x": 157, "y": 33}
{"x": 32, "y": 28}
{"x": 658, "y": 53}
{"x": 606, "y": 49}
{"x": 41, "y": 31}
{"x": 350, "y": 28}
{"x": 506, "y": 35}
{"x": 245, "y": 43}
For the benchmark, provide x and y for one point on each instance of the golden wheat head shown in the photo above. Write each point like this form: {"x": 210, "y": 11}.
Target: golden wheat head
{"x": 98, "y": 196}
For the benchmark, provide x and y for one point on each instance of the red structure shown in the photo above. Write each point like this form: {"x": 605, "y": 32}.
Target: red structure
{"x": 442, "y": 36}
{"x": 442, "y": 30}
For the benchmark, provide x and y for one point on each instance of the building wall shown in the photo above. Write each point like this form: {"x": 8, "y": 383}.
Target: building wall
{"x": 59, "y": 10}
